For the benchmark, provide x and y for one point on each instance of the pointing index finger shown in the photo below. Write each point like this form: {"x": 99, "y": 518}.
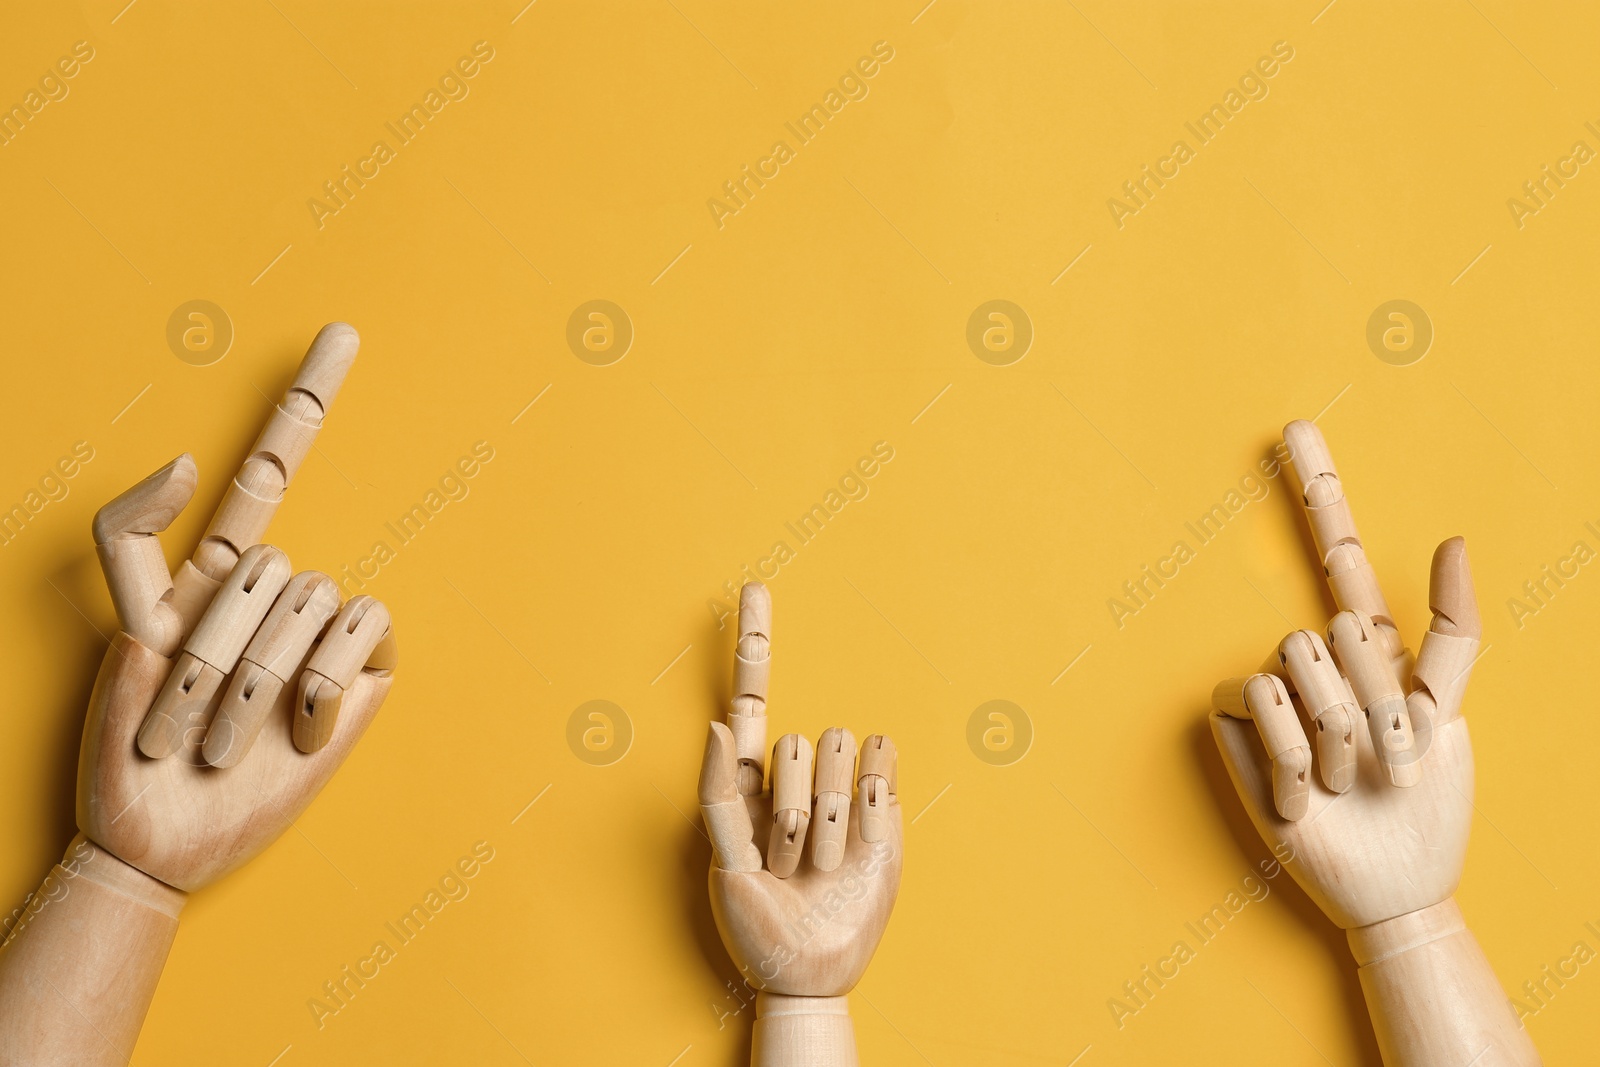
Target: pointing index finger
{"x": 241, "y": 520}
{"x": 1333, "y": 527}
{"x": 752, "y": 666}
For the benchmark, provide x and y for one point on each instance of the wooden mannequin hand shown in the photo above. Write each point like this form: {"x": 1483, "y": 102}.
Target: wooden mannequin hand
{"x": 1376, "y": 833}
{"x": 237, "y": 732}
{"x": 179, "y": 819}
{"x": 228, "y": 698}
{"x": 804, "y": 875}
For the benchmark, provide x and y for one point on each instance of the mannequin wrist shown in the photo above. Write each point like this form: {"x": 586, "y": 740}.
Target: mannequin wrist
{"x": 1392, "y": 937}
{"x": 1432, "y": 995}
{"x": 793, "y": 1031}
{"x": 87, "y": 860}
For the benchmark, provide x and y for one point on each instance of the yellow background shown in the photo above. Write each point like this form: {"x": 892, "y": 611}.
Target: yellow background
{"x": 769, "y": 355}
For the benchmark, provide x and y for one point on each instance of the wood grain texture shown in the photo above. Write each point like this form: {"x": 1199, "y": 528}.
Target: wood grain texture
{"x": 67, "y": 998}
{"x": 1379, "y": 840}
{"x": 1433, "y": 996}
{"x": 179, "y": 819}
{"x": 801, "y": 924}
{"x": 802, "y": 1032}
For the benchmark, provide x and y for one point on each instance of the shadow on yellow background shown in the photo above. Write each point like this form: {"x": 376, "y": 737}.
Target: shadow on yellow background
{"x": 749, "y": 356}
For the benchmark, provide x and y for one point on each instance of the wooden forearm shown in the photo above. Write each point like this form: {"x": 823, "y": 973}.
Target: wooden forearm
{"x": 81, "y": 964}
{"x": 803, "y": 1032}
{"x": 1434, "y": 1000}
